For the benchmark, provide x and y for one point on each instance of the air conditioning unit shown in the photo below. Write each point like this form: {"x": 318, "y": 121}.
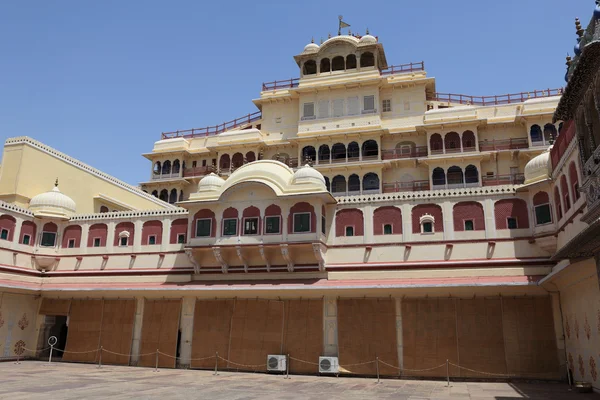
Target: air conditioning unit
{"x": 328, "y": 365}
{"x": 276, "y": 363}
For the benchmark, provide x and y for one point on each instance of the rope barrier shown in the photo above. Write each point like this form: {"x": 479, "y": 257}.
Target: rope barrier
{"x": 303, "y": 361}
{"x": 244, "y": 365}
{"x": 412, "y": 370}
{"x": 362, "y": 363}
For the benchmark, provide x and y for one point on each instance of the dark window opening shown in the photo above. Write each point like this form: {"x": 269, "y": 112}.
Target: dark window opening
{"x": 203, "y": 227}
{"x": 230, "y": 227}
{"x": 301, "y": 222}
{"x": 48, "y": 239}
{"x": 250, "y": 226}
{"x": 469, "y": 225}
{"x": 427, "y": 227}
{"x": 349, "y": 231}
{"x": 511, "y": 223}
{"x": 272, "y": 225}
{"x": 387, "y": 229}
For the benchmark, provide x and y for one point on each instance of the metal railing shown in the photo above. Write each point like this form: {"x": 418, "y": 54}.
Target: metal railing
{"x": 198, "y": 171}
{"x": 493, "y": 100}
{"x": 214, "y": 130}
{"x": 284, "y": 84}
{"x": 172, "y": 175}
{"x": 503, "y": 144}
{"x": 419, "y": 151}
{"x": 510, "y": 179}
{"x": 411, "y": 186}
{"x": 404, "y": 68}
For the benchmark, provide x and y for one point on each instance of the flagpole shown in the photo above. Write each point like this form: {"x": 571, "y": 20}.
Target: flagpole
{"x": 340, "y": 25}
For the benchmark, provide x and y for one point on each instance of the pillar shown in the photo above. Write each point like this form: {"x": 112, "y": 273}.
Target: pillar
{"x": 110, "y": 237}
{"x": 137, "y": 330}
{"x": 400, "y": 344}
{"x": 559, "y": 331}
{"x": 166, "y": 233}
{"x": 186, "y": 326}
{"x": 330, "y": 334}
{"x": 490, "y": 220}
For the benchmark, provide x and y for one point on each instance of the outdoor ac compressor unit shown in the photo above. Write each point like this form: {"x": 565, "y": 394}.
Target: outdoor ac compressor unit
{"x": 328, "y": 365}
{"x": 276, "y": 363}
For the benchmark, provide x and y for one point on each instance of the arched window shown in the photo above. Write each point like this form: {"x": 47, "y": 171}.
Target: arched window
{"x": 353, "y": 184}
{"x": 230, "y": 222}
{"x": 152, "y": 233}
{"x": 224, "y": 162}
{"x": 308, "y": 154}
{"x": 310, "y": 67}
{"x": 565, "y": 192}
{"x": 251, "y": 224}
{"x": 302, "y": 218}
{"x": 181, "y": 195}
{"x": 370, "y": 150}
{"x": 178, "y": 232}
{"x": 511, "y": 214}
{"x": 350, "y": 61}
{"x": 166, "y": 168}
{"x": 325, "y": 65}
{"x": 349, "y": 222}
{"x": 327, "y": 183}
{"x": 471, "y": 174}
{"x": 452, "y": 142}
{"x": 438, "y": 177}
{"x": 468, "y": 141}
{"x": 124, "y": 232}
{"x": 436, "y": 144}
{"x": 455, "y": 176}
{"x": 273, "y": 220}
{"x": 71, "y": 237}
{"x": 282, "y": 157}
{"x": 173, "y": 196}
{"x": 541, "y": 206}
{"x": 559, "y": 212}
{"x": 250, "y": 156}
{"x": 536, "y": 133}
{"x": 155, "y": 193}
{"x": 176, "y": 167}
{"x": 405, "y": 149}
{"x": 549, "y": 133}
{"x": 338, "y": 152}
{"x": 338, "y": 185}
{"x": 103, "y": 209}
{"x": 367, "y": 59}
{"x": 337, "y": 64}
{"x": 574, "y": 180}
{"x": 157, "y": 168}
{"x": 7, "y": 227}
{"x": 324, "y": 154}
{"x": 371, "y": 182}
{"x": 468, "y": 216}
{"x": 204, "y": 224}
{"x": 164, "y": 195}
{"x": 387, "y": 220}
{"x": 353, "y": 151}
{"x": 237, "y": 160}
{"x": 97, "y": 235}
{"x": 427, "y": 218}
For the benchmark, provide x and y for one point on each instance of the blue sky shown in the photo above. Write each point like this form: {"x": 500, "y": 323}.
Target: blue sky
{"x": 101, "y": 80}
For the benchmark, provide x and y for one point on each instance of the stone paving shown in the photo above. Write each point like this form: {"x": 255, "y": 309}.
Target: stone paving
{"x": 40, "y": 380}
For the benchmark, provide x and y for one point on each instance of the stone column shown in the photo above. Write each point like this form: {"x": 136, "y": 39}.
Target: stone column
{"x": 490, "y": 220}
{"x": 85, "y": 234}
{"x": 186, "y": 326}
{"x": 166, "y": 233}
{"x": 330, "y": 335}
{"x": 137, "y": 330}
{"x": 110, "y": 237}
{"x": 400, "y": 344}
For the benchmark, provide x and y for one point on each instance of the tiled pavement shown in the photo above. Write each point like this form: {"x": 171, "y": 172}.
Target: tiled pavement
{"x": 40, "y": 380}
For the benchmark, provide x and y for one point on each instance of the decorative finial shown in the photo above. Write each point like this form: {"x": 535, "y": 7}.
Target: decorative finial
{"x": 578, "y": 28}
{"x": 312, "y": 40}
{"x": 321, "y": 40}
{"x": 569, "y": 60}
{"x": 368, "y": 28}
{"x": 329, "y": 36}
{"x": 56, "y": 183}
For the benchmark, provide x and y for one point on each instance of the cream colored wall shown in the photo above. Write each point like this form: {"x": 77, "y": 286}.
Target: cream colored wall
{"x": 280, "y": 119}
{"x": 19, "y": 325}
{"x": 28, "y": 171}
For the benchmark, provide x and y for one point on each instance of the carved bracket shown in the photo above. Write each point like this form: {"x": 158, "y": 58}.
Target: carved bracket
{"x": 190, "y": 255}
{"x": 261, "y": 250}
{"x": 285, "y": 252}
{"x": 240, "y": 254}
{"x": 319, "y": 251}
{"x": 219, "y": 257}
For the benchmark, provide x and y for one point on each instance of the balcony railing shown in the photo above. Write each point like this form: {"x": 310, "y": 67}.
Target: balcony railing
{"x": 156, "y": 176}
{"x": 198, "y": 171}
{"x": 503, "y": 144}
{"x": 411, "y": 186}
{"x": 356, "y": 192}
{"x": 511, "y": 179}
{"x": 403, "y": 68}
{"x": 285, "y": 84}
{"x": 214, "y": 130}
{"x": 455, "y": 185}
{"x": 419, "y": 151}
{"x": 494, "y": 100}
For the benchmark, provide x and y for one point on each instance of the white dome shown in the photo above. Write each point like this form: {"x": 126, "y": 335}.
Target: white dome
{"x": 311, "y": 48}
{"x": 308, "y": 174}
{"x": 52, "y": 204}
{"x": 367, "y": 39}
{"x": 538, "y": 168}
{"x": 210, "y": 182}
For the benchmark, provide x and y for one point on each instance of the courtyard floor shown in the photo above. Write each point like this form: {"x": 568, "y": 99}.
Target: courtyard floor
{"x": 40, "y": 380}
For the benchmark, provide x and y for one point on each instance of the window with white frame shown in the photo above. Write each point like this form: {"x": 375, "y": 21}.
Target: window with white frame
{"x": 124, "y": 239}
{"x": 427, "y": 224}
{"x": 26, "y": 239}
{"x": 152, "y": 239}
{"x": 511, "y": 223}
{"x": 97, "y": 242}
{"x": 386, "y": 105}
{"x": 230, "y": 227}
{"x": 251, "y": 226}
{"x": 48, "y": 239}
{"x": 368, "y": 104}
{"x": 4, "y": 234}
{"x": 301, "y": 222}
{"x": 542, "y": 214}
{"x": 323, "y": 109}
{"x": 181, "y": 238}
{"x": 469, "y": 225}
{"x": 387, "y": 229}
{"x": 309, "y": 111}
{"x": 71, "y": 243}
{"x": 273, "y": 225}
{"x": 203, "y": 227}
{"x": 350, "y": 231}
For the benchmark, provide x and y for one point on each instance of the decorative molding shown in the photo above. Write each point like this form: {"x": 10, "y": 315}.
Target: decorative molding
{"x": 319, "y": 251}
{"x": 129, "y": 214}
{"x": 219, "y": 257}
{"x": 285, "y": 252}
{"x": 190, "y": 255}
{"x": 240, "y": 254}
{"x": 11, "y": 207}
{"x": 261, "y": 250}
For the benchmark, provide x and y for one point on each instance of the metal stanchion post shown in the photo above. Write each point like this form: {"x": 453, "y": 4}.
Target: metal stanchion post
{"x": 287, "y": 367}
{"x": 50, "y": 358}
{"x": 156, "y": 362}
{"x": 377, "y": 365}
{"x": 569, "y": 376}
{"x": 100, "y": 358}
{"x": 18, "y": 359}
{"x": 448, "y": 372}
{"x": 216, "y": 363}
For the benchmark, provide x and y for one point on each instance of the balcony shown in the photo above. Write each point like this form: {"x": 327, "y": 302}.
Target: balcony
{"x": 413, "y": 152}
{"x": 159, "y": 177}
{"x": 410, "y": 186}
{"x": 198, "y": 171}
{"x": 493, "y": 100}
{"x": 511, "y": 179}
{"x": 456, "y": 185}
{"x": 504, "y": 144}
{"x": 214, "y": 130}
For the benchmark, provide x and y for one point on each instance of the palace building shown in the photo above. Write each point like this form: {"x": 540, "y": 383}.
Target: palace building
{"x": 358, "y": 214}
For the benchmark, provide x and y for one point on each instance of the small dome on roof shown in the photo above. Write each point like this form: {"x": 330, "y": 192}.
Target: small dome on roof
{"x": 52, "y": 204}
{"x": 308, "y": 174}
{"x": 538, "y": 168}
{"x": 210, "y": 182}
{"x": 367, "y": 39}
{"x": 311, "y": 48}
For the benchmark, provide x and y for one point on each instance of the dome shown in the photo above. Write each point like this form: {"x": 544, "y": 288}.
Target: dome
{"x": 311, "y": 48}
{"x": 308, "y": 174}
{"x": 210, "y": 182}
{"x": 367, "y": 39}
{"x": 53, "y": 204}
{"x": 538, "y": 168}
